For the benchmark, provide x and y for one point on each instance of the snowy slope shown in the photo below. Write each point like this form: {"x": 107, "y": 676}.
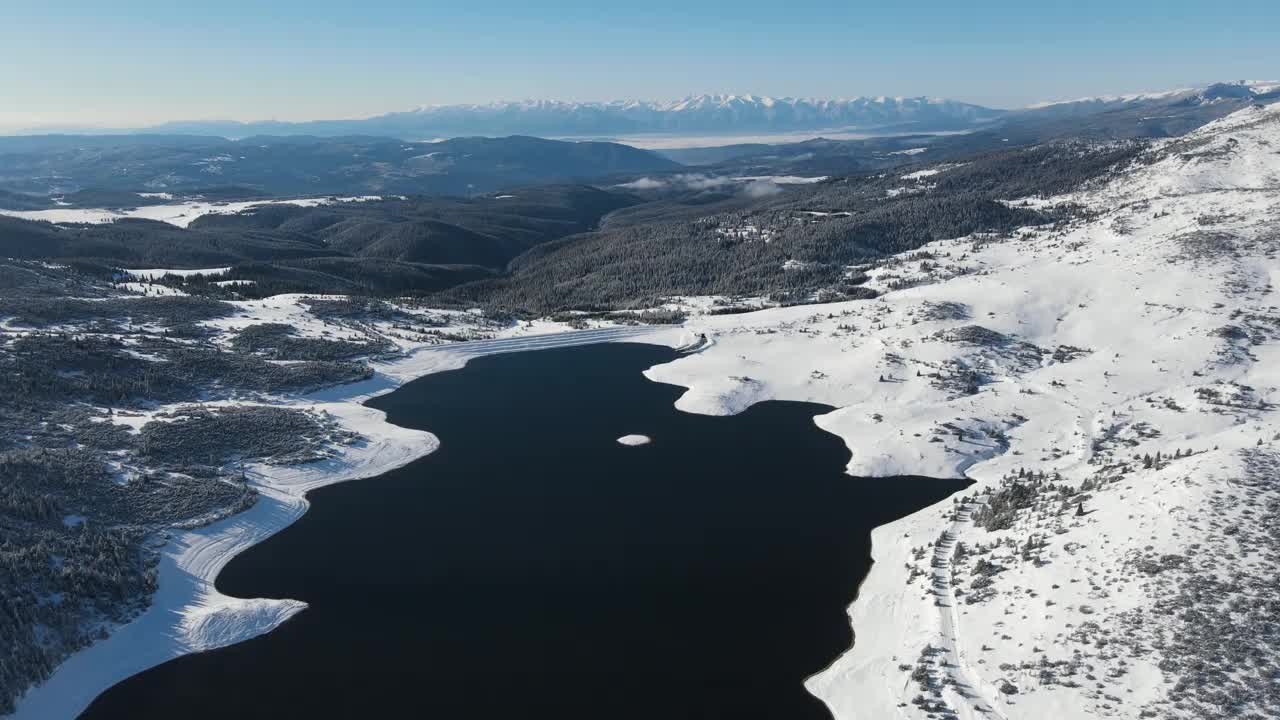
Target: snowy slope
{"x": 1093, "y": 580}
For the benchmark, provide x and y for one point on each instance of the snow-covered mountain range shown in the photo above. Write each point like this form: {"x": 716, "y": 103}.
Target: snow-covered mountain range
{"x": 726, "y": 115}
{"x": 715, "y": 113}
{"x": 702, "y": 114}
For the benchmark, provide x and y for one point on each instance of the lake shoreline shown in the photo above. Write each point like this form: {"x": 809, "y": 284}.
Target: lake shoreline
{"x": 187, "y": 614}
{"x": 531, "y": 546}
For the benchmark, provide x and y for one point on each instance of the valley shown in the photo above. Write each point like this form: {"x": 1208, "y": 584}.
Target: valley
{"x": 1082, "y": 324}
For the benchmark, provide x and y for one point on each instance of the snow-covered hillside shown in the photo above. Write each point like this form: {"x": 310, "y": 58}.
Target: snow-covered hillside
{"x": 1210, "y": 94}
{"x": 1111, "y": 385}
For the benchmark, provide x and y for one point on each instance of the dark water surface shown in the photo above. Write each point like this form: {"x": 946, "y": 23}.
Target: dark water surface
{"x": 534, "y": 568}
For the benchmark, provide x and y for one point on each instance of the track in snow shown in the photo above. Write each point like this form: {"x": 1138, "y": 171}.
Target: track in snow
{"x": 955, "y": 670}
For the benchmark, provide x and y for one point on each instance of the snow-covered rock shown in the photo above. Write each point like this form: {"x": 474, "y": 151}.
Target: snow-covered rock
{"x": 634, "y": 440}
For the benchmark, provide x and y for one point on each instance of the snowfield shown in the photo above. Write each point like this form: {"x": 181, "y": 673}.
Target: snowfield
{"x": 1111, "y": 384}
{"x": 157, "y": 273}
{"x": 181, "y": 214}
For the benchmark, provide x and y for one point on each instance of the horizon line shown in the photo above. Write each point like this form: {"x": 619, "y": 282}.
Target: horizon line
{"x": 93, "y": 128}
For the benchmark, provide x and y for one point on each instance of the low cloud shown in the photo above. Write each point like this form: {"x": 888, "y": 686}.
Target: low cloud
{"x": 755, "y": 185}
{"x": 644, "y": 183}
{"x": 762, "y": 188}
{"x": 687, "y": 181}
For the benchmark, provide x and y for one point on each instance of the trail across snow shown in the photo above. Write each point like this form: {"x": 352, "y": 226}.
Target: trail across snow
{"x": 972, "y": 699}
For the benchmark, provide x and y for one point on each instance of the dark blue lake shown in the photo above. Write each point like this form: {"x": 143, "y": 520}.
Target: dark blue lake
{"x": 534, "y": 568}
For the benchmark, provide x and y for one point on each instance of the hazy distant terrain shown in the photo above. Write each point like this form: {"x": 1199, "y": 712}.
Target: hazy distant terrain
{"x": 359, "y": 165}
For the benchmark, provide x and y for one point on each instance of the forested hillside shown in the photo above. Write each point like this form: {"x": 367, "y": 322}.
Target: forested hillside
{"x": 795, "y": 222}
{"x": 397, "y": 246}
{"x": 801, "y": 242}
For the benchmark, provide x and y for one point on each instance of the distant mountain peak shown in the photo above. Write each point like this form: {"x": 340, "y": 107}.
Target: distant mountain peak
{"x": 1212, "y": 91}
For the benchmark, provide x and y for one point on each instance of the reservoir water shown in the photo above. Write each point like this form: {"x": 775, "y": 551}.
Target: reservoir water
{"x": 533, "y": 567}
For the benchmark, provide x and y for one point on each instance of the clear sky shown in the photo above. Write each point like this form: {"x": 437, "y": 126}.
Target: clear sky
{"x": 137, "y": 62}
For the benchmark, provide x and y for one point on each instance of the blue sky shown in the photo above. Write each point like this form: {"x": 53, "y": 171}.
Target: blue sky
{"x": 135, "y": 62}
